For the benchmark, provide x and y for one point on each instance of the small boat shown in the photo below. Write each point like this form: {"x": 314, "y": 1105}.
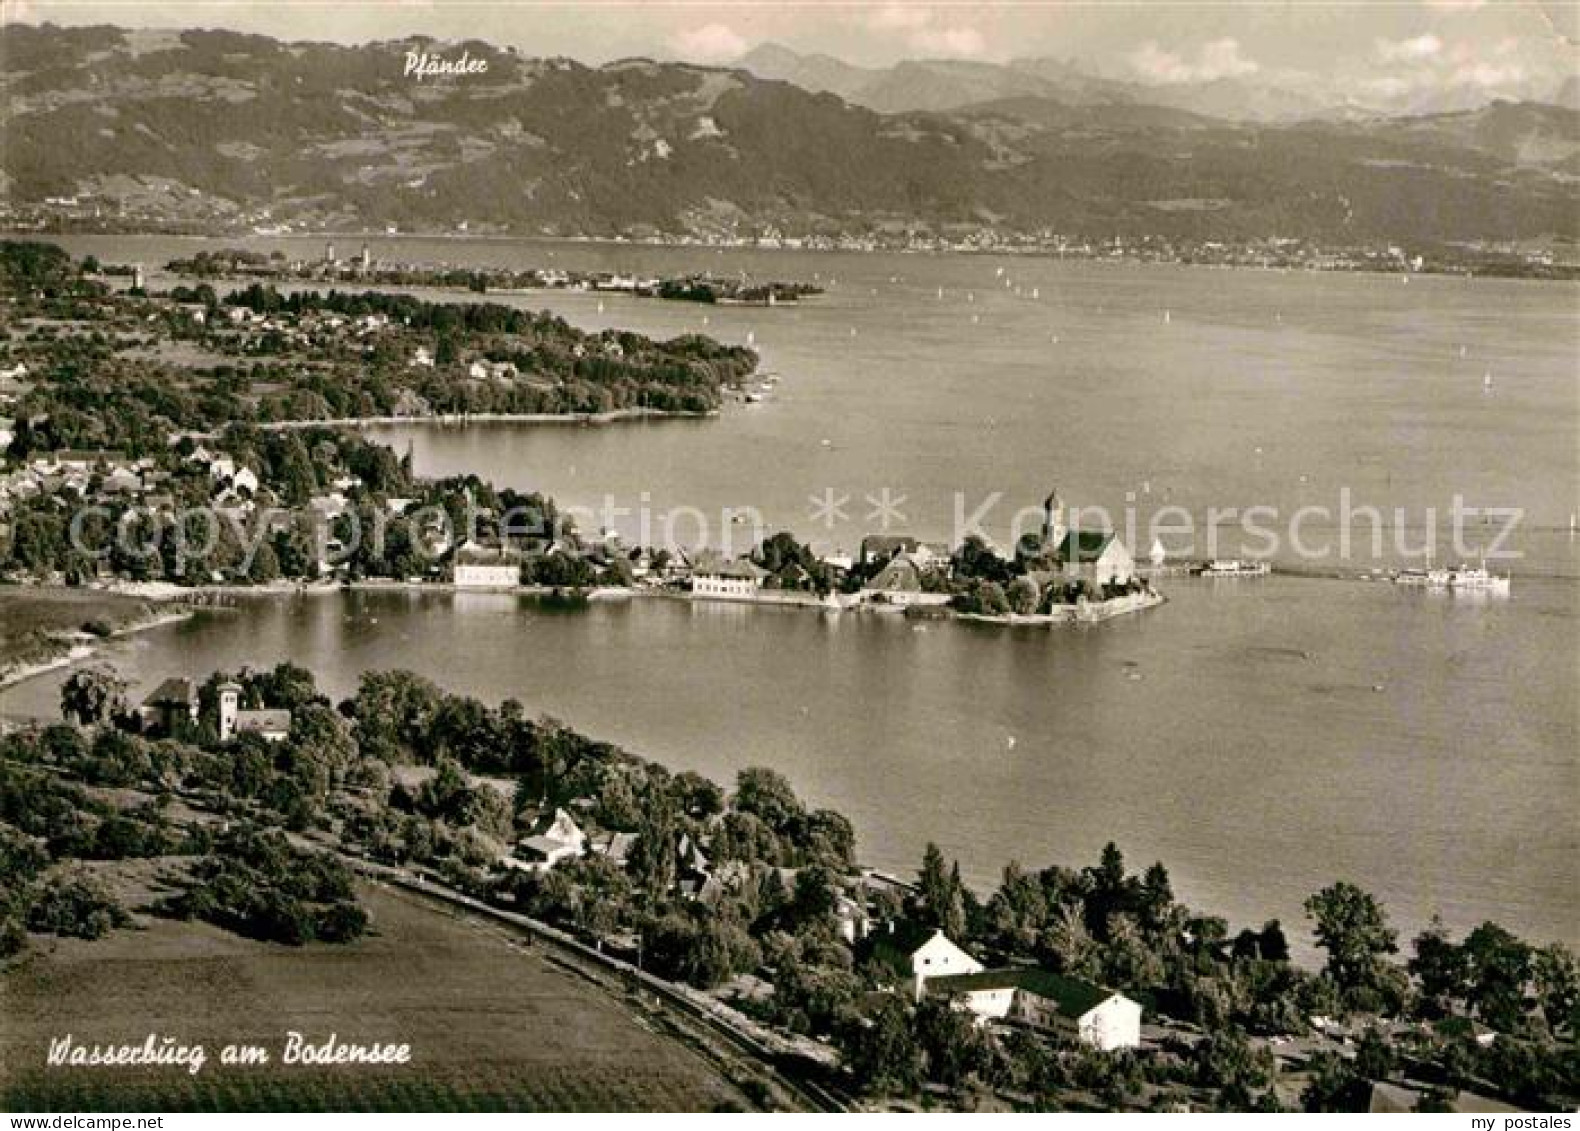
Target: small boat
{"x": 1232, "y": 567}
{"x": 754, "y": 398}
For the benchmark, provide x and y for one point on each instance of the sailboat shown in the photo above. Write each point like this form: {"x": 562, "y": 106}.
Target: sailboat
{"x": 751, "y": 337}
{"x": 1486, "y": 381}
{"x": 600, "y": 306}
{"x": 1036, "y": 292}
{"x": 1168, "y": 316}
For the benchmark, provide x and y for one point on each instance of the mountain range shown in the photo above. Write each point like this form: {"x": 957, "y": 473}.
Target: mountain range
{"x": 212, "y": 129}
{"x": 950, "y": 84}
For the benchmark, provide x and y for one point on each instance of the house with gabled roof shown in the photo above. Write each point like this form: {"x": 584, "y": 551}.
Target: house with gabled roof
{"x": 1097, "y": 557}
{"x": 899, "y": 583}
{"x": 915, "y": 953}
{"x": 1099, "y": 1017}
{"x": 737, "y": 580}
{"x": 170, "y": 705}
{"x": 558, "y": 840}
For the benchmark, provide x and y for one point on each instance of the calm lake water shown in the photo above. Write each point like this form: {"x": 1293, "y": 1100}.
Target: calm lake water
{"x": 1261, "y": 737}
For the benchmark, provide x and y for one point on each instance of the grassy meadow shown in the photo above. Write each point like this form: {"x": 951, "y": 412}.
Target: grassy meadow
{"x": 492, "y": 1026}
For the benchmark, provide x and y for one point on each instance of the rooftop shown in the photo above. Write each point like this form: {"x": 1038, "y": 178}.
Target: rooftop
{"x": 1073, "y": 996}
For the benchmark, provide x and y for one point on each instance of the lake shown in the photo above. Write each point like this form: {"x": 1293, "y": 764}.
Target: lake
{"x": 1262, "y": 737}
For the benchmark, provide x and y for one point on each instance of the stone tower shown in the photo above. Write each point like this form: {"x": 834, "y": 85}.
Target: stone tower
{"x": 229, "y": 705}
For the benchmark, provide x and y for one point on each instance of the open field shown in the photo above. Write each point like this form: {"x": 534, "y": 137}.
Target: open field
{"x": 34, "y": 621}
{"x": 491, "y": 1026}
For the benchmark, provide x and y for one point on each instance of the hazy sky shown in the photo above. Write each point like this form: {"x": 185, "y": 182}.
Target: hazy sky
{"x": 1386, "y": 48}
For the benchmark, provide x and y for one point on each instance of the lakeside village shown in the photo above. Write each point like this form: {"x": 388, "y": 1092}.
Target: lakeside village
{"x": 364, "y": 269}
{"x": 1529, "y": 259}
{"x": 251, "y": 802}
{"x": 192, "y": 440}
{"x": 1056, "y": 575}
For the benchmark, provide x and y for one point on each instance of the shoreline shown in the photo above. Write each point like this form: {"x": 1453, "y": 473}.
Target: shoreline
{"x": 86, "y": 649}
{"x": 613, "y": 416}
{"x": 682, "y": 245}
{"x": 82, "y": 650}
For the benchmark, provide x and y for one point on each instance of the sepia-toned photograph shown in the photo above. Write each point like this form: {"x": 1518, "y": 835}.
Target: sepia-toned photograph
{"x": 826, "y": 556}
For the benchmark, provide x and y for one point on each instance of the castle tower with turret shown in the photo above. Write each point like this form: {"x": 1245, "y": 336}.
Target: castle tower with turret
{"x": 229, "y": 705}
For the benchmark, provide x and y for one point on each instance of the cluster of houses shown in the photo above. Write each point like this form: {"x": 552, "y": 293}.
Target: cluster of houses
{"x": 900, "y": 571}
{"x": 903, "y": 572}
{"x": 93, "y": 476}
{"x": 108, "y": 478}
{"x": 917, "y": 959}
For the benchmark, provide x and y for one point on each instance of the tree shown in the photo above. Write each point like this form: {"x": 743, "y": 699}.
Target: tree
{"x": 1498, "y": 966}
{"x": 829, "y": 838}
{"x": 93, "y": 696}
{"x": 881, "y": 1051}
{"x": 934, "y": 883}
{"x": 1226, "y": 1061}
{"x": 950, "y": 1041}
{"x": 1352, "y": 927}
{"x": 1557, "y": 984}
{"x": 1022, "y": 595}
{"x": 1374, "y": 1057}
{"x": 1157, "y": 896}
{"x": 1334, "y": 1086}
{"x": 1439, "y": 967}
{"x": 767, "y": 794}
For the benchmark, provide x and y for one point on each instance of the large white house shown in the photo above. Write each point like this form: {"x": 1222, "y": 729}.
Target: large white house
{"x": 1097, "y": 557}
{"x": 918, "y": 953}
{"x": 1101, "y": 1018}
{"x": 479, "y": 568}
{"x": 738, "y": 580}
